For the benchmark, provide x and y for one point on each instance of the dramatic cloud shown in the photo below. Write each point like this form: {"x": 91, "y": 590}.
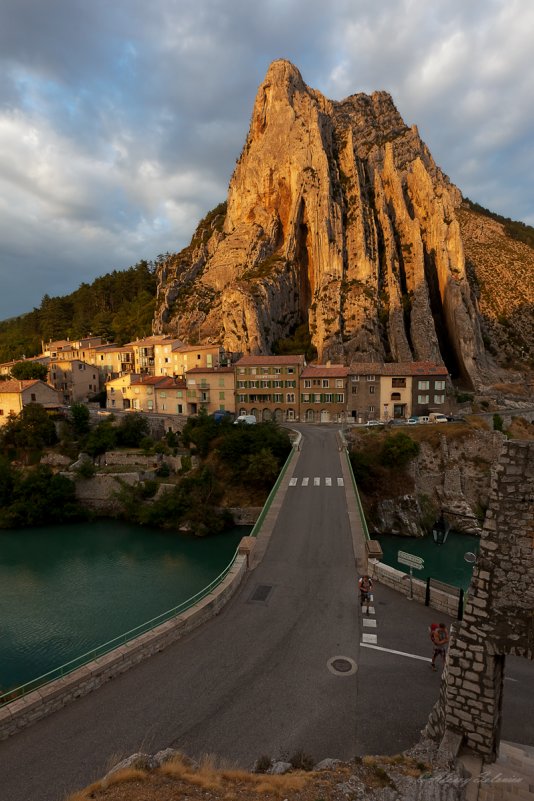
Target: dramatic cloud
{"x": 120, "y": 122}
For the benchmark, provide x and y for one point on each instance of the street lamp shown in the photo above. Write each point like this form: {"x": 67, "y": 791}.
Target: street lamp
{"x": 440, "y": 530}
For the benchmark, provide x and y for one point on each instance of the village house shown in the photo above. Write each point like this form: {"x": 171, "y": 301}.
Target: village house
{"x": 146, "y": 393}
{"x": 187, "y": 357}
{"x": 75, "y": 380}
{"x": 323, "y": 393}
{"x": 211, "y": 389}
{"x": 15, "y": 395}
{"x": 396, "y": 391}
{"x": 268, "y": 387}
{"x": 112, "y": 360}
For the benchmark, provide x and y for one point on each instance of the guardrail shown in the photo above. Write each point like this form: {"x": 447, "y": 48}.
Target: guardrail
{"x": 358, "y": 499}
{"x": 267, "y": 504}
{"x": 69, "y": 667}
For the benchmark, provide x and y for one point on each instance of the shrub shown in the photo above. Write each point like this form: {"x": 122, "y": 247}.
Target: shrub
{"x": 398, "y": 450}
{"x": 498, "y": 422}
{"x": 302, "y": 761}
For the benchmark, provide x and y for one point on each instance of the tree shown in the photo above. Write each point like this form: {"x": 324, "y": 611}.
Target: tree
{"x": 398, "y": 450}
{"x": 24, "y": 371}
{"x": 132, "y": 430}
{"x": 80, "y": 418}
{"x": 101, "y": 439}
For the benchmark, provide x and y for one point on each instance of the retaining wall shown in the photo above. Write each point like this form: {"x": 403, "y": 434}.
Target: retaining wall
{"x": 399, "y": 581}
{"x": 52, "y": 696}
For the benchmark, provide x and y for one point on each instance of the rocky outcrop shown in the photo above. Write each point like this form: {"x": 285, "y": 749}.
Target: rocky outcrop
{"x": 338, "y": 219}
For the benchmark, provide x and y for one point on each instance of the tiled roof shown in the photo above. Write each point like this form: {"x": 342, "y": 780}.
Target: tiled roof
{"x": 113, "y": 348}
{"x": 18, "y": 386}
{"x": 182, "y": 348}
{"x": 168, "y": 382}
{"x": 273, "y": 360}
{"x": 211, "y": 370}
{"x": 151, "y": 341}
{"x": 397, "y": 368}
{"x": 326, "y": 370}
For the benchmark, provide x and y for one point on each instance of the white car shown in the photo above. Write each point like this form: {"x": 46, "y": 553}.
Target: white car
{"x": 373, "y": 423}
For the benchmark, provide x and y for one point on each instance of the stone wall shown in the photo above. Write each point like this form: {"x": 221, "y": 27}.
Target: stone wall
{"x": 52, "y": 696}
{"x": 499, "y": 613}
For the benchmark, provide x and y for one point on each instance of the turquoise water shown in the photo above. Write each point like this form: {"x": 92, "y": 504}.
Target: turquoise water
{"x": 67, "y": 589}
{"x": 443, "y": 562}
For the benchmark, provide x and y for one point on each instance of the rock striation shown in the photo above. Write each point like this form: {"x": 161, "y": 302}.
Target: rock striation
{"x": 337, "y": 219}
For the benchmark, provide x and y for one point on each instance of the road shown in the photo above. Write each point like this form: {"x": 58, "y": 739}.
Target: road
{"x": 256, "y": 680}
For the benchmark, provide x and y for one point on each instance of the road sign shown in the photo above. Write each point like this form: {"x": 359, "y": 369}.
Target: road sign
{"x": 411, "y": 560}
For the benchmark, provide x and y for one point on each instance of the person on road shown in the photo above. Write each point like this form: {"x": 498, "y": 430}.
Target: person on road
{"x": 365, "y": 585}
{"x": 440, "y": 639}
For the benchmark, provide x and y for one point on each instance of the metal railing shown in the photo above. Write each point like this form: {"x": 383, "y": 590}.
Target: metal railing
{"x": 268, "y": 502}
{"x": 100, "y": 650}
{"x": 358, "y": 499}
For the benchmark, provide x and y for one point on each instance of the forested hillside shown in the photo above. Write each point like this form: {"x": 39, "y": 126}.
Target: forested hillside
{"x": 118, "y": 306}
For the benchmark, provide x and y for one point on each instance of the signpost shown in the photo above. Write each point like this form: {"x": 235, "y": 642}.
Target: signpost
{"x": 412, "y": 562}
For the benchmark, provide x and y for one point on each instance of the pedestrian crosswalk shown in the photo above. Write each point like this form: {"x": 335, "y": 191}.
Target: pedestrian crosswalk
{"x": 316, "y": 481}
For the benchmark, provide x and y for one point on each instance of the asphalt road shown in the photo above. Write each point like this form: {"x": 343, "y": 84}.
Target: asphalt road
{"x": 256, "y": 680}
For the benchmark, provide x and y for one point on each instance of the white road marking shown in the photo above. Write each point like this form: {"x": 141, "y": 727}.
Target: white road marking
{"x": 316, "y": 482}
{"x": 293, "y": 482}
{"x": 371, "y": 610}
{"x": 340, "y": 482}
{"x": 305, "y": 482}
{"x": 368, "y": 639}
{"x": 367, "y": 644}
{"x": 371, "y": 624}
{"x": 328, "y": 481}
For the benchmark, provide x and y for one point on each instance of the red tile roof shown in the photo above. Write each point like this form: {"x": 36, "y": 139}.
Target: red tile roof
{"x": 19, "y": 386}
{"x": 210, "y": 370}
{"x": 326, "y": 370}
{"x": 397, "y": 368}
{"x": 269, "y": 360}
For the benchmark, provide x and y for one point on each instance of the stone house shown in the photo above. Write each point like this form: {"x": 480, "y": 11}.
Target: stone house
{"x": 269, "y": 387}
{"x": 188, "y": 357}
{"x": 363, "y": 395}
{"x": 431, "y": 387}
{"x": 14, "y": 395}
{"x": 323, "y": 393}
{"x": 211, "y": 389}
{"x": 146, "y": 393}
{"x": 75, "y": 380}
{"x": 112, "y": 360}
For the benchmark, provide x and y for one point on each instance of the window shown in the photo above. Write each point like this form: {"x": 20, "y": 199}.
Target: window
{"x": 290, "y": 397}
{"x": 163, "y": 394}
{"x": 306, "y": 398}
{"x": 277, "y": 383}
{"x": 354, "y": 390}
{"x": 241, "y": 384}
{"x": 371, "y": 408}
{"x": 423, "y": 399}
{"x": 290, "y": 370}
{"x": 317, "y": 398}
{"x": 179, "y": 408}
{"x": 278, "y": 398}
{"x": 340, "y": 398}
{"x": 439, "y": 385}
{"x": 439, "y": 398}
{"x": 307, "y": 383}
{"x": 221, "y": 396}
{"x": 179, "y": 393}
{"x": 354, "y": 378}
{"x": 221, "y": 382}
{"x": 290, "y": 384}
{"x": 1, "y": 412}
{"x": 395, "y": 396}
{"x": 253, "y": 384}
{"x": 242, "y": 398}
{"x": 150, "y": 405}
{"x": 372, "y": 390}
{"x": 398, "y": 382}
{"x": 339, "y": 383}
{"x": 423, "y": 385}
{"x": 241, "y": 370}
{"x": 253, "y": 371}
{"x": 370, "y": 378}
{"x": 265, "y": 384}
{"x": 328, "y": 398}
{"x": 33, "y": 396}
{"x": 325, "y": 383}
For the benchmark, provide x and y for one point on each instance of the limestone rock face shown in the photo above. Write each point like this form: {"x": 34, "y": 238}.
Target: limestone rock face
{"x": 337, "y": 218}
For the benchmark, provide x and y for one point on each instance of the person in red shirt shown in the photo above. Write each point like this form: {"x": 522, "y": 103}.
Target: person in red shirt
{"x": 365, "y": 585}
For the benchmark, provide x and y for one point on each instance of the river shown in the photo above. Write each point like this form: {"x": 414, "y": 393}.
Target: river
{"x": 67, "y": 589}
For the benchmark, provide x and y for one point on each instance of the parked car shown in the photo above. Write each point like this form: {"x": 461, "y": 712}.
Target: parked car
{"x": 437, "y": 417}
{"x": 247, "y": 419}
{"x": 412, "y": 421}
{"x": 373, "y": 423}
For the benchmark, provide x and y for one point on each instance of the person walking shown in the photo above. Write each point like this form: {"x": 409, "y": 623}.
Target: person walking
{"x": 440, "y": 640}
{"x": 365, "y": 585}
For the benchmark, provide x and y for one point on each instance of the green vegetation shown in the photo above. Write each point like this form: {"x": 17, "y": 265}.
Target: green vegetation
{"x": 513, "y": 228}
{"x": 24, "y": 371}
{"x": 379, "y": 465}
{"x": 118, "y": 306}
{"x": 35, "y": 497}
{"x": 231, "y": 456}
{"x": 498, "y": 422}
{"x": 299, "y": 342}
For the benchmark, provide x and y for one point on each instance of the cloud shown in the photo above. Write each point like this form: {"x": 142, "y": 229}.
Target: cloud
{"x": 120, "y": 123}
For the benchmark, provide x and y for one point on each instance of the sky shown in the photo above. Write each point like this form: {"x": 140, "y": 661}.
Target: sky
{"x": 121, "y": 122}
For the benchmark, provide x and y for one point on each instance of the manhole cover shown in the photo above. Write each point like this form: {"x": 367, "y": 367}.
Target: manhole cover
{"x": 342, "y": 666}
{"x": 261, "y": 593}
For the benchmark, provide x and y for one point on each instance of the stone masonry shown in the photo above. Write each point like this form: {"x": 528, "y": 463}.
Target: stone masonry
{"x": 499, "y": 613}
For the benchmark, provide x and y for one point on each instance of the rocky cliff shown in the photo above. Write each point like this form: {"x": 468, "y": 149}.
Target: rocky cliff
{"x": 337, "y": 219}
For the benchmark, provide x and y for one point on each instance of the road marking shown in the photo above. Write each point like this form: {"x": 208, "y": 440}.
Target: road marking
{"x": 371, "y": 610}
{"x": 305, "y": 482}
{"x": 293, "y": 482}
{"x": 340, "y": 482}
{"x": 367, "y": 644}
{"x": 369, "y": 640}
{"x": 371, "y": 624}
{"x": 328, "y": 481}
{"x": 316, "y": 482}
